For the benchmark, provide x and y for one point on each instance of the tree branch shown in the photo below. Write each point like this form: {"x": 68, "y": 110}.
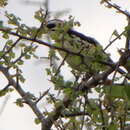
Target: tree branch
{"x": 50, "y": 45}
{"x": 75, "y": 114}
{"x": 118, "y": 8}
{"x": 54, "y": 115}
{"x": 40, "y": 42}
{"x": 85, "y": 85}
{"x": 114, "y": 40}
{"x": 22, "y": 93}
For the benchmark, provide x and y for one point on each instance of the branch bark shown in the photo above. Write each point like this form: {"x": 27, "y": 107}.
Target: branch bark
{"x": 23, "y": 94}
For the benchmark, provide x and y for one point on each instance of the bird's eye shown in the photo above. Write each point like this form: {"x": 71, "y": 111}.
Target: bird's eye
{"x": 52, "y": 23}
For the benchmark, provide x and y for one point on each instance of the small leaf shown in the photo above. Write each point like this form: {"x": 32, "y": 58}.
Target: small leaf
{"x": 19, "y": 102}
{"x": 12, "y": 54}
{"x": 3, "y": 3}
{"x": 5, "y": 35}
{"x": 27, "y": 57}
{"x": 9, "y": 42}
{"x": 20, "y": 62}
{"x": 2, "y": 93}
{"x": 115, "y": 33}
{"x": 21, "y": 78}
{"x": 48, "y": 71}
{"x": 12, "y": 19}
{"x": 37, "y": 121}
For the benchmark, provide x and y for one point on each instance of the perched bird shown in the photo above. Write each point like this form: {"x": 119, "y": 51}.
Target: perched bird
{"x": 89, "y": 51}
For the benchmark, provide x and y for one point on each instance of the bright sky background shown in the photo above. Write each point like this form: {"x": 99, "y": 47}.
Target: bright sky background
{"x": 96, "y": 21}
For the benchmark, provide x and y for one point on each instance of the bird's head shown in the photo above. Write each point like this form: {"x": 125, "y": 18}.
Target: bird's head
{"x": 53, "y": 23}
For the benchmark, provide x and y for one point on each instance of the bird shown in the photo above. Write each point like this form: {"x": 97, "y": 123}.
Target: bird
{"x": 93, "y": 57}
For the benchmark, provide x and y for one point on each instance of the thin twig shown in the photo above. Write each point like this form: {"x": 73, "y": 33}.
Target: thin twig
{"x": 10, "y": 48}
{"x": 18, "y": 59}
{"x": 58, "y": 69}
{"x": 74, "y": 114}
{"x": 44, "y": 94}
{"x": 40, "y": 42}
{"x": 102, "y": 115}
{"x": 111, "y": 4}
{"x": 42, "y": 24}
{"x": 114, "y": 40}
{"x": 110, "y": 92}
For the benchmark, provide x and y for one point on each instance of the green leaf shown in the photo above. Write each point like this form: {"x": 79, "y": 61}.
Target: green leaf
{"x": 3, "y": 3}
{"x": 48, "y": 71}
{"x": 22, "y": 44}
{"x": 21, "y": 78}
{"x": 112, "y": 127}
{"x": 27, "y": 57}
{"x": 30, "y": 96}
{"x": 68, "y": 91}
{"x": 12, "y": 19}
{"x": 12, "y": 54}
{"x": 20, "y": 62}
{"x": 5, "y": 35}
{"x": 117, "y": 91}
{"x": 19, "y": 102}
{"x": 54, "y": 36}
{"x": 58, "y": 81}
{"x": 39, "y": 15}
{"x": 37, "y": 121}
{"x": 9, "y": 42}
{"x": 3, "y": 93}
